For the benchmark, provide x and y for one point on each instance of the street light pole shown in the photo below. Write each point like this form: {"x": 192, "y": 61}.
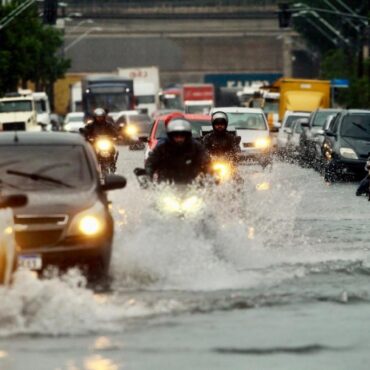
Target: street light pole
{"x": 81, "y": 37}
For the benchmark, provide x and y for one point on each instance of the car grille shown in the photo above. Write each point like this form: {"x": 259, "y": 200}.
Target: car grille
{"x": 14, "y": 126}
{"x": 37, "y": 239}
{"x": 248, "y": 145}
{"x": 39, "y": 231}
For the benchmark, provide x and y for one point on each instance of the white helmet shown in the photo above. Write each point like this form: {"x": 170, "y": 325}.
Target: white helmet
{"x": 179, "y": 125}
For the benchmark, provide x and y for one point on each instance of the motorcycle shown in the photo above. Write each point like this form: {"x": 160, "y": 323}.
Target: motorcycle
{"x": 106, "y": 153}
{"x": 181, "y": 200}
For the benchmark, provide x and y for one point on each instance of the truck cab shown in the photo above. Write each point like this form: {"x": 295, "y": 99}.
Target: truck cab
{"x": 18, "y": 113}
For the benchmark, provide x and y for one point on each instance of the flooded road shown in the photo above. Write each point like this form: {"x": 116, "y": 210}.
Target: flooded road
{"x": 272, "y": 276}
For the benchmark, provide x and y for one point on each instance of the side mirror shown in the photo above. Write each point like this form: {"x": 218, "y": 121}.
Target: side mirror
{"x": 305, "y": 124}
{"x": 144, "y": 139}
{"x": 82, "y": 130}
{"x": 13, "y": 201}
{"x": 274, "y": 129}
{"x": 113, "y": 182}
{"x": 330, "y": 133}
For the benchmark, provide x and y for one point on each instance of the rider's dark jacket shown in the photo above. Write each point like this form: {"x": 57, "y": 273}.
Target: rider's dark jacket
{"x": 177, "y": 164}
{"x": 95, "y": 129}
{"x": 222, "y": 144}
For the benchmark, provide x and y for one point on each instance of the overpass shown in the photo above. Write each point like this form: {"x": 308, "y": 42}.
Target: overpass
{"x": 186, "y": 39}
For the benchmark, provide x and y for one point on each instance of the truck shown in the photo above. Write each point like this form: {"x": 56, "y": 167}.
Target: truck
{"x": 146, "y": 86}
{"x": 192, "y": 98}
{"x": 198, "y": 98}
{"x": 302, "y": 95}
{"x": 111, "y": 92}
{"x": 18, "y": 113}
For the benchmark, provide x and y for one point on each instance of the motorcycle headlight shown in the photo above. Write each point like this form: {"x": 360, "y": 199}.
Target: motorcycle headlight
{"x": 170, "y": 204}
{"x": 131, "y": 131}
{"x": 348, "y": 153}
{"x": 104, "y": 145}
{"x": 262, "y": 143}
{"x": 91, "y": 222}
{"x": 222, "y": 170}
{"x": 192, "y": 204}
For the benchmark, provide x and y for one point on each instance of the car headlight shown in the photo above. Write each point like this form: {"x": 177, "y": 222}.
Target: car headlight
{"x": 67, "y": 127}
{"x": 131, "y": 131}
{"x": 262, "y": 143}
{"x": 104, "y": 145}
{"x": 91, "y": 222}
{"x": 170, "y": 204}
{"x": 348, "y": 153}
{"x": 222, "y": 170}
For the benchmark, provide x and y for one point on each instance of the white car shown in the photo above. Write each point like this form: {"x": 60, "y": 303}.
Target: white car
{"x": 285, "y": 130}
{"x": 8, "y": 249}
{"x": 251, "y": 125}
{"x": 74, "y": 121}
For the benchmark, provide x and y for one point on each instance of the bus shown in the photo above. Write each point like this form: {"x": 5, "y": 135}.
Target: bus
{"x": 110, "y": 92}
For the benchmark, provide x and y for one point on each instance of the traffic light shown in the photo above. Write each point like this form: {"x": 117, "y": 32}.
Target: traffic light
{"x": 50, "y": 11}
{"x": 284, "y": 15}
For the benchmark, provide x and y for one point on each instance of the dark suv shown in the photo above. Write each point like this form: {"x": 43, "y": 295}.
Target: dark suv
{"x": 313, "y": 134}
{"x": 67, "y": 220}
{"x": 346, "y": 145}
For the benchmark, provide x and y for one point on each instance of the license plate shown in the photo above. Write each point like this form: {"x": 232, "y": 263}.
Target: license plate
{"x": 30, "y": 262}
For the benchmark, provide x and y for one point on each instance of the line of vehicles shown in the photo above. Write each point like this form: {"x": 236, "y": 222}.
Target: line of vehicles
{"x": 61, "y": 215}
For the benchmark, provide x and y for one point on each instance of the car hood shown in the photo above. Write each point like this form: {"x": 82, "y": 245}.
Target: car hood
{"x": 64, "y": 202}
{"x": 249, "y": 136}
{"x": 361, "y": 147}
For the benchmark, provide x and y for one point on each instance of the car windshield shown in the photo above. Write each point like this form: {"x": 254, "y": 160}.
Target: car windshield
{"x": 290, "y": 120}
{"x": 15, "y": 106}
{"x": 196, "y": 128}
{"x": 247, "y": 121}
{"x": 320, "y": 118}
{"x": 356, "y": 126}
{"x": 65, "y": 163}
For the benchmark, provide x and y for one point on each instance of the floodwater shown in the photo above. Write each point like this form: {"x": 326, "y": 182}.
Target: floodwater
{"x": 272, "y": 275}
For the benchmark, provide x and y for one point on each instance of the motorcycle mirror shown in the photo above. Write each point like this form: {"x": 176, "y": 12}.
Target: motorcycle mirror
{"x": 13, "y": 201}
{"x": 113, "y": 182}
{"x": 139, "y": 172}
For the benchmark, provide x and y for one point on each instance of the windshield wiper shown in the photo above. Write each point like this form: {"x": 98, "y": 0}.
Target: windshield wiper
{"x": 359, "y": 126}
{"x": 37, "y": 177}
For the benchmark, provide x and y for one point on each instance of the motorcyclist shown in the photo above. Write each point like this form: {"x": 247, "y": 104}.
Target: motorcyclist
{"x": 179, "y": 158}
{"x": 220, "y": 142}
{"x": 100, "y": 126}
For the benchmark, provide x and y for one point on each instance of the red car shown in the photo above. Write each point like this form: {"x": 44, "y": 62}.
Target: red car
{"x": 200, "y": 124}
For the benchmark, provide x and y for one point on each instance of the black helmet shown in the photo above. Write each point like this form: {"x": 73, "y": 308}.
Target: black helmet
{"x": 219, "y": 117}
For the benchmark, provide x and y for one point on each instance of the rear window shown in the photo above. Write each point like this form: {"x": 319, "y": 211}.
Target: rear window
{"x": 320, "y": 118}
{"x": 290, "y": 119}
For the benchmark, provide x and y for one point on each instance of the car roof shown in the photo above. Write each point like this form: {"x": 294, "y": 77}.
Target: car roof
{"x": 237, "y": 110}
{"x": 190, "y": 117}
{"x": 40, "y": 138}
{"x": 367, "y": 111}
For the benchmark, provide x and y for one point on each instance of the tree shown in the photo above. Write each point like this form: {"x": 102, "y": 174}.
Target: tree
{"x": 29, "y": 51}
